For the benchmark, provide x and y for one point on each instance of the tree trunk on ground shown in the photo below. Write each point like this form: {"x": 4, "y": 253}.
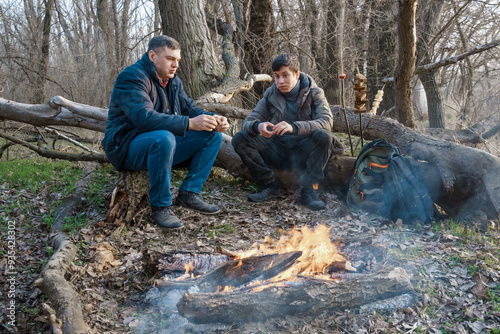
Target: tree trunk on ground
{"x": 464, "y": 181}
{"x": 406, "y": 61}
{"x": 308, "y": 297}
{"x": 52, "y": 280}
{"x": 185, "y": 21}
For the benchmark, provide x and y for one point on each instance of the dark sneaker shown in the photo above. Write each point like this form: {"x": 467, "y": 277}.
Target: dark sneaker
{"x": 164, "y": 217}
{"x": 268, "y": 192}
{"x": 309, "y": 198}
{"x": 193, "y": 201}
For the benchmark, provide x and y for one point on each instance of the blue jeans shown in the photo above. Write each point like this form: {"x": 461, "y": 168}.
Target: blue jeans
{"x": 157, "y": 151}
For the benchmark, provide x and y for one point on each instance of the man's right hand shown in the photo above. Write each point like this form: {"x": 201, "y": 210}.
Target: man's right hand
{"x": 266, "y": 129}
{"x": 203, "y": 123}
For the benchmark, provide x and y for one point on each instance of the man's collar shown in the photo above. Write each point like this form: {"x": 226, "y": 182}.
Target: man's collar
{"x": 163, "y": 82}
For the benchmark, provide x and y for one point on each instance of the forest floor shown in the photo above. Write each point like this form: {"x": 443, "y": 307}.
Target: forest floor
{"x": 453, "y": 267}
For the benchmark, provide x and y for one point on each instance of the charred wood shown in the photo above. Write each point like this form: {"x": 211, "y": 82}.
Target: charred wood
{"x": 297, "y": 298}
{"x": 237, "y": 273}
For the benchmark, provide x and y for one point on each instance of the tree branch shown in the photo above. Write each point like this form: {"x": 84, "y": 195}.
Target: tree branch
{"x": 54, "y": 154}
{"x": 456, "y": 59}
{"x": 231, "y": 84}
{"x": 57, "y": 133}
{"x": 57, "y": 112}
{"x": 451, "y": 60}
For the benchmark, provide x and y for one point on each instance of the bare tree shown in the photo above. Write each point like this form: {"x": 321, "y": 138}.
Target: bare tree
{"x": 381, "y": 58}
{"x": 427, "y": 25}
{"x": 39, "y": 93}
{"x": 334, "y": 57}
{"x": 407, "y": 43}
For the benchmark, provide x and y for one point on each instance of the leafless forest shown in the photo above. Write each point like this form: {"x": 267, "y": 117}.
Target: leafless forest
{"x": 76, "y": 48}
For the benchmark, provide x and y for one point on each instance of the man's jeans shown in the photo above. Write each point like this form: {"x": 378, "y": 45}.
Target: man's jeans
{"x": 157, "y": 151}
{"x": 288, "y": 152}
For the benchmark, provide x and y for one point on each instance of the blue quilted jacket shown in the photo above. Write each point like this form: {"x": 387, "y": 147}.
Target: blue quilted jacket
{"x": 140, "y": 104}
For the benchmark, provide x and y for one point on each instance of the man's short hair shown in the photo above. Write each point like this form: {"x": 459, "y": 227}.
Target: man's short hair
{"x": 162, "y": 41}
{"x": 286, "y": 60}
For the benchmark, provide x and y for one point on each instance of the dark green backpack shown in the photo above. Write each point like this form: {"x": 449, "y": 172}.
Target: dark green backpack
{"x": 388, "y": 183}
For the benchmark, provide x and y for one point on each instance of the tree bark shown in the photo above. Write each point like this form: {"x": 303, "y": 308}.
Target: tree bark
{"x": 295, "y": 298}
{"x": 406, "y": 61}
{"x": 185, "y": 21}
{"x": 427, "y": 23}
{"x": 381, "y": 55}
{"x": 39, "y": 93}
{"x": 256, "y": 38}
{"x": 334, "y": 62}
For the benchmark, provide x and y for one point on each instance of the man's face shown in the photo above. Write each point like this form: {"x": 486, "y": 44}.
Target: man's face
{"x": 285, "y": 79}
{"x": 166, "y": 61}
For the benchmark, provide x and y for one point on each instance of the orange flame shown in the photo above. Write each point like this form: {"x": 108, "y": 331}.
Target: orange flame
{"x": 318, "y": 252}
{"x": 189, "y": 267}
{"x": 227, "y": 288}
{"x": 269, "y": 266}
{"x": 315, "y": 186}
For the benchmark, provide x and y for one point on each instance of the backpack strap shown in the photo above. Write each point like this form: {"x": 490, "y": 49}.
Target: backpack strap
{"x": 377, "y": 177}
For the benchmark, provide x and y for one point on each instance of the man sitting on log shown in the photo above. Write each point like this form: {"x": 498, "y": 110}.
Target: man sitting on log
{"x": 289, "y": 129}
{"x": 153, "y": 125}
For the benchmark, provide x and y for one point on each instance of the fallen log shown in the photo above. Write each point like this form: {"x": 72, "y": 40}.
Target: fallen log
{"x": 52, "y": 279}
{"x": 297, "y": 298}
{"x": 463, "y": 181}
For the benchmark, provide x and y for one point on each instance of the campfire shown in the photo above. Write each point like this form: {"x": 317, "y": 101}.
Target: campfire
{"x": 318, "y": 255}
{"x": 301, "y": 272}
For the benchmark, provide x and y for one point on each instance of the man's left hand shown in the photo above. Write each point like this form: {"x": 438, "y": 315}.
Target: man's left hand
{"x": 222, "y": 124}
{"x": 281, "y": 128}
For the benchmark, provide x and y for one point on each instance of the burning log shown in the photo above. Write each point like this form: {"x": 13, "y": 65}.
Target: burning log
{"x": 243, "y": 271}
{"x": 237, "y": 272}
{"x": 309, "y": 297}
{"x": 227, "y": 252}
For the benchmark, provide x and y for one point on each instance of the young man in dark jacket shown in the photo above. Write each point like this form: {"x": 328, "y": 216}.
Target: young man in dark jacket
{"x": 153, "y": 125}
{"x": 289, "y": 129}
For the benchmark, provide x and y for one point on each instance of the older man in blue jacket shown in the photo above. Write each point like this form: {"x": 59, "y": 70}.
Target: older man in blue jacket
{"x": 153, "y": 125}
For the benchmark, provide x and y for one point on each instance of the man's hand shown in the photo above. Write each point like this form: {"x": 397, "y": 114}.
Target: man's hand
{"x": 222, "y": 124}
{"x": 203, "y": 123}
{"x": 266, "y": 129}
{"x": 281, "y": 128}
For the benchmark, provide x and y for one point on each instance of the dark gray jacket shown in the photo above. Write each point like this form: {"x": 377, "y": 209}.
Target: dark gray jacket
{"x": 313, "y": 113}
{"x": 140, "y": 104}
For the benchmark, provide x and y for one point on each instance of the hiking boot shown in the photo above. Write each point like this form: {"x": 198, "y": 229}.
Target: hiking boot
{"x": 193, "y": 201}
{"x": 164, "y": 217}
{"x": 266, "y": 193}
{"x": 309, "y": 198}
